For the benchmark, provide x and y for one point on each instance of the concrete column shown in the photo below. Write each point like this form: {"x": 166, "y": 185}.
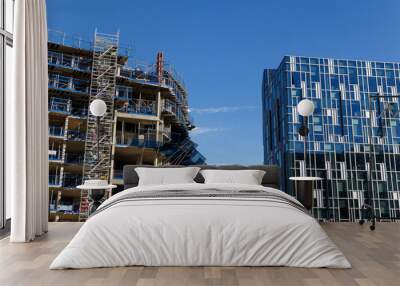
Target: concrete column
{"x": 158, "y": 116}
{"x": 66, "y": 128}
{"x": 113, "y": 149}
{"x": 159, "y": 104}
{"x": 123, "y": 131}
{"x": 61, "y": 176}
{"x": 63, "y": 152}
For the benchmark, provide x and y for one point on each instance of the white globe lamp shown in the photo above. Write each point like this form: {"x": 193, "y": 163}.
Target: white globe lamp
{"x": 98, "y": 107}
{"x": 305, "y": 107}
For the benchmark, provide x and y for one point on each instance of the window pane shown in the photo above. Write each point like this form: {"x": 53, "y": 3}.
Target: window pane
{"x": 1, "y": 15}
{"x": 8, "y": 67}
{"x": 9, "y": 15}
{"x": 2, "y": 202}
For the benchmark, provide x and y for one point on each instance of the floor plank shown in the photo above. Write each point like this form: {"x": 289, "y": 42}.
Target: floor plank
{"x": 375, "y": 257}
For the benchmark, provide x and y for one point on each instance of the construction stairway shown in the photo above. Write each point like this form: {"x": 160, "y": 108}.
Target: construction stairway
{"x": 103, "y": 82}
{"x": 179, "y": 152}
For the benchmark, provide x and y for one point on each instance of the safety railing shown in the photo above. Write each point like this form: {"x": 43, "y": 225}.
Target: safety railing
{"x": 79, "y": 112}
{"x": 76, "y": 135}
{"x": 169, "y": 106}
{"x": 55, "y": 155}
{"x": 172, "y": 107}
{"x": 59, "y": 105}
{"x": 147, "y": 74}
{"x": 136, "y": 106}
{"x": 148, "y": 140}
{"x": 170, "y": 69}
{"x": 54, "y": 180}
{"x": 180, "y": 117}
{"x": 69, "y": 61}
{"x": 123, "y": 92}
{"x": 61, "y": 38}
{"x": 56, "y": 131}
{"x": 66, "y": 83}
{"x": 145, "y": 143}
{"x": 171, "y": 83}
{"x": 139, "y": 74}
{"x": 65, "y": 208}
{"x": 64, "y": 39}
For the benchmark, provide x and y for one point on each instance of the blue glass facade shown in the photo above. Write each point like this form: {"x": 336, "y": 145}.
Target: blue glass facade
{"x": 338, "y": 142}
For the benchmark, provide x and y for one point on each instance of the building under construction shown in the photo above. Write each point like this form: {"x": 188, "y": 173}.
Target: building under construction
{"x": 146, "y": 122}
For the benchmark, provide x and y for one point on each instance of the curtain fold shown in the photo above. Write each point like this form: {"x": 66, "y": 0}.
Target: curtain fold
{"x": 27, "y": 124}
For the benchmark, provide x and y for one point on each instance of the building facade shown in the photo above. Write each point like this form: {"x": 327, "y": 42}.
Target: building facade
{"x": 354, "y": 101}
{"x": 147, "y": 120}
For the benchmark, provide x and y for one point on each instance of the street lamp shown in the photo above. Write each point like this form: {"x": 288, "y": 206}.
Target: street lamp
{"x": 98, "y": 108}
{"x": 369, "y": 205}
{"x": 305, "y": 108}
{"x": 96, "y": 188}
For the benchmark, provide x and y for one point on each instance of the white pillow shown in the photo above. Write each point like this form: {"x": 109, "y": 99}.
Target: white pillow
{"x": 166, "y": 176}
{"x": 248, "y": 177}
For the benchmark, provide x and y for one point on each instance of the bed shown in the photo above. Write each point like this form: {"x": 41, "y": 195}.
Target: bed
{"x": 198, "y": 224}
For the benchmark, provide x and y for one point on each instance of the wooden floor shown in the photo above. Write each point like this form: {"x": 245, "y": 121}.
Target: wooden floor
{"x": 375, "y": 257}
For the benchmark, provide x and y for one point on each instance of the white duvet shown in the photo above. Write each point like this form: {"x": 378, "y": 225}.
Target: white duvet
{"x": 200, "y": 231}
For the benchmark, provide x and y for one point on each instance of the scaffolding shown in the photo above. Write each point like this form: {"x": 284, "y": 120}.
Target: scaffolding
{"x": 183, "y": 153}
{"x": 103, "y": 83}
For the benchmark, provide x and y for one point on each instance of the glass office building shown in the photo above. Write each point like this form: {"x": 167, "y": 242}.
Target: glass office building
{"x": 348, "y": 112}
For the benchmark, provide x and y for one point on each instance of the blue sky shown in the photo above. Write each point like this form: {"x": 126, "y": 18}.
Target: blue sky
{"x": 221, "y": 48}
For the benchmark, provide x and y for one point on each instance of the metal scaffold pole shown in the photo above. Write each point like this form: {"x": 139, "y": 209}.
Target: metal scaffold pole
{"x": 97, "y": 161}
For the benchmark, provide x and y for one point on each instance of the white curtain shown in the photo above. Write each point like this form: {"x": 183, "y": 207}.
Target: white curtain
{"x": 27, "y": 124}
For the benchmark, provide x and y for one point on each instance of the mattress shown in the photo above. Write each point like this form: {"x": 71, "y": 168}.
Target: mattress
{"x": 201, "y": 225}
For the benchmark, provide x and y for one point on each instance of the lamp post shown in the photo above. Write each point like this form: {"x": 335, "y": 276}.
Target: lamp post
{"x": 98, "y": 108}
{"x": 368, "y": 204}
{"x": 305, "y": 108}
{"x": 304, "y": 184}
{"x": 96, "y": 187}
